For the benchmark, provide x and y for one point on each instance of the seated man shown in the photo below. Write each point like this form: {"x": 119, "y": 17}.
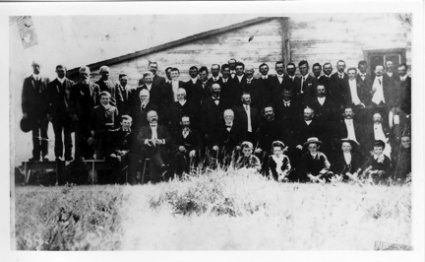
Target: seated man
{"x": 378, "y": 166}
{"x": 151, "y": 141}
{"x": 248, "y": 159}
{"x": 104, "y": 117}
{"x": 187, "y": 143}
{"x": 404, "y": 160}
{"x": 278, "y": 165}
{"x": 118, "y": 146}
{"x": 314, "y": 164}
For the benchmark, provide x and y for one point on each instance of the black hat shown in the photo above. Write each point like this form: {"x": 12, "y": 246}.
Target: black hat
{"x": 379, "y": 143}
{"x": 25, "y": 125}
{"x": 351, "y": 141}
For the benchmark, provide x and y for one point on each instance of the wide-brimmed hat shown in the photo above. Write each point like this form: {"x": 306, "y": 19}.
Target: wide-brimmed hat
{"x": 281, "y": 144}
{"x": 351, "y": 141}
{"x": 247, "y": 144}
{"x": 379, "y": 143}
{"x": 313, "y": 140}
{"x": 26, "y": 125}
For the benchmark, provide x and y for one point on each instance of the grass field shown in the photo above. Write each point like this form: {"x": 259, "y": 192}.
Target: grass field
{"x": 215, "y": 211}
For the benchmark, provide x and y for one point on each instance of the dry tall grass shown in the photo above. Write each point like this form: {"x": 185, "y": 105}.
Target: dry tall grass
{"x": 217, "y": 210}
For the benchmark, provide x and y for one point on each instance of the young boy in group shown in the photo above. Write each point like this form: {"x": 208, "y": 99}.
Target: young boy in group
{"x": 278, "y": 165}
{"x": 248, "y": 159}
{"x": 378, "y": 166}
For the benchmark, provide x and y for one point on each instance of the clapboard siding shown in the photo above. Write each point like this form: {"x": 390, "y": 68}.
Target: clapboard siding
{"x": 265, "y": 47}
{"x": 329, "y": 38}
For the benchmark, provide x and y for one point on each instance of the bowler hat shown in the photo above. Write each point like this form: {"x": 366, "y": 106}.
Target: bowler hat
{"x": 26, "y": 125}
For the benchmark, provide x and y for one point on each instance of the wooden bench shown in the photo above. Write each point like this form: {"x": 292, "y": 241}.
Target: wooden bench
{"x": 60, "y": 167}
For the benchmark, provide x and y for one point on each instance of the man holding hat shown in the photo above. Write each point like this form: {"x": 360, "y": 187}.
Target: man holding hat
{"x": 34, "y": 109}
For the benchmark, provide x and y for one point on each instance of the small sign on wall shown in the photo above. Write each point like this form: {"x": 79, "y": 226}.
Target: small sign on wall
{"x": 27, "y": 31}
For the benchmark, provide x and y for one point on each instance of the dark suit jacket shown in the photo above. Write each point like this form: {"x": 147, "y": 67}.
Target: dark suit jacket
{"x": 194, "y": 91}
{"x": 241, "y": 118}
{"x": 157, "y": 80}
{"x": 290, "y": 115}
{"x": 308, "y": 87}
{"x": 258, "y": 96}
{"x": 139, "y": 115}
{"x": 191, "y": 142}
{"x": 366, "y": 85}
{"x": 60, "y": 102}
{"x": 86, "y": 97}
{"x": 269, "y": 132}
{"x": 228, "y": 140}
{"x": 177, "y": 111}
{"x": 305, "y": 131}
{"x": 110, "y": 87}
{"x": 338, "y": 87}
{"x": 104, "y": 119}
{"x": 386, "y": 166}
{"x": 168, "y": 94}
{"x": 118, "y": 140}
{"x": 228, "y": 92}
{"x": 369, "y": 134}
{"x": 35, "y": 100}
{"x": 325, "y": 113}
{"x": 212, "y": 118}
{"x": 145, "y": 133}
{"x": 341, "y": 167}
{"x": 123, "y": 97}
{"x": 405, "y": 96}
{"x": 156, "y": 93}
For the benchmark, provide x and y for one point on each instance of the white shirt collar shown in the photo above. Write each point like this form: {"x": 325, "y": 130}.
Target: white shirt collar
{"x": 389, "y": 74}
{"x": 182, "y": 103}
{"x": 308, "y": 121}
{"x": 36, "y": 77}
{"x": 240, "y": 77}
{"x": 403, "y": 78}
{"x": 61, "y": 80}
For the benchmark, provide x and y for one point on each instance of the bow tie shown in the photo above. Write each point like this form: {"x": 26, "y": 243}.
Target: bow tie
{"x": 153, "y": 125}
{"x": 280, "y": 76}
{"x": 126, "y": 130}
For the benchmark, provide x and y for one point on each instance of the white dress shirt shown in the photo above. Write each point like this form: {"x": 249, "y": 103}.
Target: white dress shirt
{"x": 61, "y": 80}
{"x": 280, "y": 78}
{"x": 389, "y": 74}
{"x": 240, "y": 78}
{"x": 353, "y": 91}
{"x": 154, "y": 128}
{"x": 351, "y": 134}
{"x": 308, "y": 122}
{"x": 378, "y": 96}
{"x": 347, "y": 158}
{"x": 149, "y": 87}
{"x": 194, "y": 80}
{"x": 403, "y": 78}
{"x": 321, "y": 100}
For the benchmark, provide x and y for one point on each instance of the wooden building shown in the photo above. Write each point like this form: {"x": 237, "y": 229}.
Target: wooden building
{"x": 316, "y": 38}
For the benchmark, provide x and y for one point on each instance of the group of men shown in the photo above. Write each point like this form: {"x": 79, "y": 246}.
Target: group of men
{"x": 204, "y": 121}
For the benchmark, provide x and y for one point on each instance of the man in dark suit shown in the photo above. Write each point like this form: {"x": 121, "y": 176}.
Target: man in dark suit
{"x": 308, "y": 84}
{"x": 156, "y": 94}
{"x": 227, "y": 90}
{"x": 356, "y": 94}
{"x": 324, "y": 108}
{"x": 232, "y": 66}
{"x": 194, "y": 87}
{"x": 215, "y": 74}
{"x": 140, "y": 108}
{"x": 60, "y": 112}
{"x": 183, "y": 107}
{"x": 339, "y": 84}
{"x": 239, "y": 81}
{"x": 117, "y": 151}
{"x": 350, "y": 127}
{"x": 379, "y": 130}
{"x": 172, "y": 87}
{"x": 205, "y": 90}
{"x": 365, "y": 81}
{"x": 187, "y": 144}
{"x": 405, "y": 86}
{"x": 212, "y": 115}
{"x": 325, "y": 79}
{"x": 288, "y": 109}
{"x": 317, "y": 70}
{"x": 86, "y": 97}
{"x": 106, "y": 84}
{"x": 271, "y": 129}
{"x": 34, "y": 108}
{"x": 123, "y": 95}
{"x": 266, "y": 81}
{"x": 230, "y": 135}
{"x": 307, "y": 127}
{"x": 248, "y": 117}
{"x": 278, "y": 81}
{"x": 253, "y": 86}
{"x": 156, "y": 80}
{"x": 152, "y": 141}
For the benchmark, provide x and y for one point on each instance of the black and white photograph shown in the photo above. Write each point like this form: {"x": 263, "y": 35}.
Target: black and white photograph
{"x": 179, "y": 127}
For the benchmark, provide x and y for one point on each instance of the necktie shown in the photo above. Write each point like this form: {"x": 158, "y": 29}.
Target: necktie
{"x": 248, "y": 81}
{"x": 379, "y": 80}
{"x": 340, "y": 76}
{"x": 224, "y": 80}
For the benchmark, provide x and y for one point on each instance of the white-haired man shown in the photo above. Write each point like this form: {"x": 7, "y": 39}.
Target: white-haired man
{"x": 183, "y": 107}
{"x": 140, "y": 109}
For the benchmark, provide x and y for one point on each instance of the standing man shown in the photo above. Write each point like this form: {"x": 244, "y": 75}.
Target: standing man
{"x": 157, "y": 80}
{"x": 355, "y": 95}
{"x": 193, "y": 87}
{"x": 227, "y": 90}
{"x": 205, "y": 91}
{"x": 123, "y": 95}
{"x": 317, "y": 70}
{"x": 382, "y": 92}
{"x": 365, "y": 80}
{"x": 60, "y": 112}
{"x": 340, "y": 82}
{"x": 325, "y": 79}
{"x": 405, "y": 96}
{"x": 215, "y": 74}
{"x": 277, "y": 82}
{"x": 34, "y": 109}
{"x": 106, "y": 84}
{"x": 308, "y": 84}
{"x": 232, "y": 66}
{"x": 248, "y": 117}
{"x": 86, "y": 97}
